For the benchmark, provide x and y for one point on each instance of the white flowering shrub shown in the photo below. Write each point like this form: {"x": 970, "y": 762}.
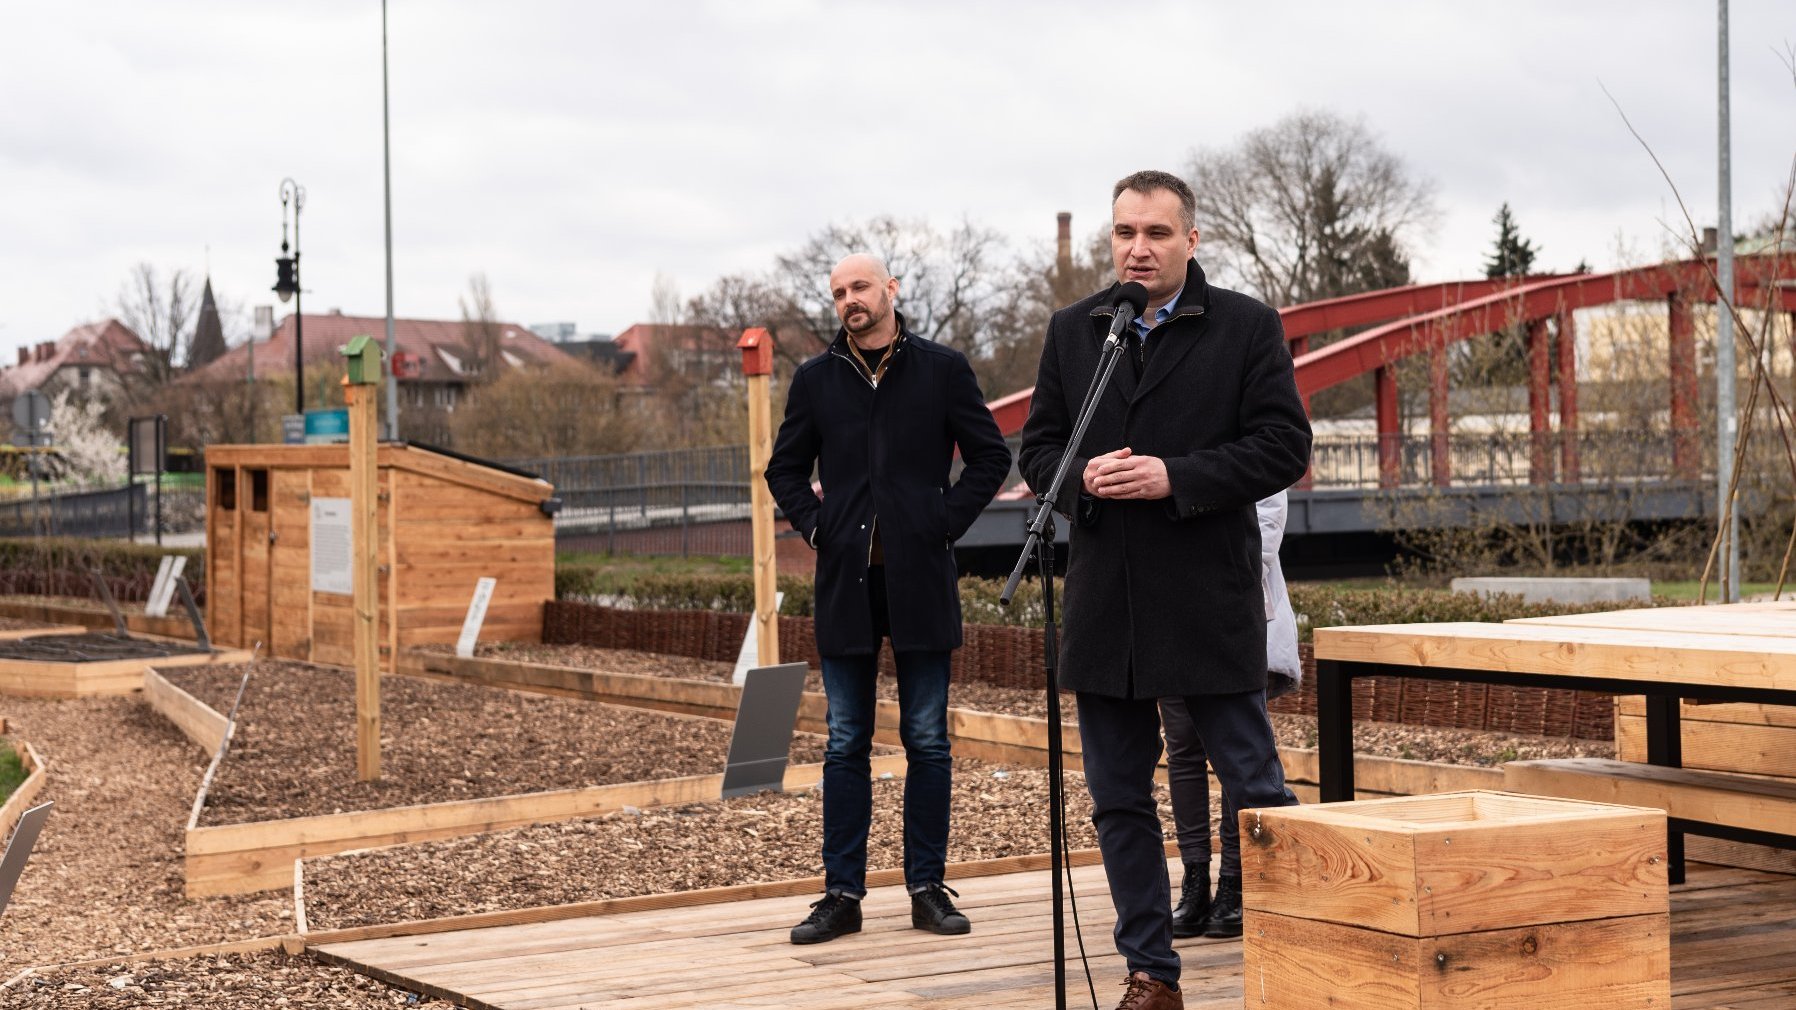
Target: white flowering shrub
{"x": 91, "y": 454}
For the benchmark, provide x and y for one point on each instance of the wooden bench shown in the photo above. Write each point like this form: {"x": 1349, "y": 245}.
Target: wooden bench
{"x": 1741, "y": 807}
{"x": 1658, "y": 659}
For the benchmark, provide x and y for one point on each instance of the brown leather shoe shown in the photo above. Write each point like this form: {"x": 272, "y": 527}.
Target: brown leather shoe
{"x": 1149, "y": 993}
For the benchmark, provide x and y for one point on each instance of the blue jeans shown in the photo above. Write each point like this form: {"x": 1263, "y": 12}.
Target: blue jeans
{"x": 847, "y": 776}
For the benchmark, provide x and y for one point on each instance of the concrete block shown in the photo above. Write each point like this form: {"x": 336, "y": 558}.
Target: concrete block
{"x": 1560, "y": 590}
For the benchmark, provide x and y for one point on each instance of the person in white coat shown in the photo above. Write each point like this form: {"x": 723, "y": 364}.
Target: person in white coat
{"x": 1186, "y": 761}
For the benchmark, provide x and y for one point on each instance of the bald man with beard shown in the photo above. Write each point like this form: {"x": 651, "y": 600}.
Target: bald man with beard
{"x": 879, "y": 414}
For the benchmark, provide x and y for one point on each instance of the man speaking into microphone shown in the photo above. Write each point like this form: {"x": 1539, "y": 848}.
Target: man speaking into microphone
{"x": 1201, "y": 420}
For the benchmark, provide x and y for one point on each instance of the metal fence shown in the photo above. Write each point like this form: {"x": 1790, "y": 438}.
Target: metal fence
{"x": 100, "y": 513}
{"x": 120, "y": 511}
{"x": 681, "y": 501}
{"x": 1501, "y": 458}
{"x": 696, "y": 501}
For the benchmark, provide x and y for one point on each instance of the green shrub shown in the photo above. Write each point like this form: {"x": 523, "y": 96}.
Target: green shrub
{"x": 660, "y": 591}
{"x": 60, "y": 566}
{"x": 12, "y": 770}
{"x": 1318, "y": 605}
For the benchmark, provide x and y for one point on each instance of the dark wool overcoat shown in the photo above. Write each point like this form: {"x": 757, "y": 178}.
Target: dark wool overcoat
{"x": 883, "y": 456}
{"x": 1163, "y": 597}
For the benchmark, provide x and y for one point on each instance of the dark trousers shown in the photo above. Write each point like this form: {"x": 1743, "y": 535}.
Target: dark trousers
{"x": 850, "y": 683}
{"x": 1188, "y": 777}
{"x": 1120, "y": 738}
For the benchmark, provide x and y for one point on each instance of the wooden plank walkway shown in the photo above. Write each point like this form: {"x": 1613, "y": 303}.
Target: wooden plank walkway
{"x": 1733, "y": 948}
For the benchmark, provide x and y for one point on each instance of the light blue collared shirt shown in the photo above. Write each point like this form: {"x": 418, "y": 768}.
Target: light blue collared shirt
{"x": 1161, "y": 314}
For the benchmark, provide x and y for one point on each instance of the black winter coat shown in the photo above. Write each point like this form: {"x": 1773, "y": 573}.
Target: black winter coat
{"x": 883, "y": 457}
{"x": 1163, "y": 597}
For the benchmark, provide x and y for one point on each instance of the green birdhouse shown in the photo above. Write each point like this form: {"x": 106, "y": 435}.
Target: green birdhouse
{"x": 363, "y": 359}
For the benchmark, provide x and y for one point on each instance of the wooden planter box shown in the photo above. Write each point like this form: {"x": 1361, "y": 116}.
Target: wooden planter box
{"x": 22, "y": 797}
{"x": 31, "y": 679}
{"x": 1462, "y": 900}
{"x": 260, "y": 855}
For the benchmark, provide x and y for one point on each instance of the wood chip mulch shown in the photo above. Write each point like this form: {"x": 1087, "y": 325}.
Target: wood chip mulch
{"x": 998, "y": 811}
{"x": 105, "y": 878}
{"x": 294, "y": 751}
{"x": 225, "y": 982}
{"x": 20, "y": 624}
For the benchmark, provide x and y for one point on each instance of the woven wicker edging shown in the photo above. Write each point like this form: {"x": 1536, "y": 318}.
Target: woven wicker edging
{"x": 1011, "y": 657}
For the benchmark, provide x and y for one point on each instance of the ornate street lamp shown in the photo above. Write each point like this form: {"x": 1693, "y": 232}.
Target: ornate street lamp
{"x": 286, "y": 285}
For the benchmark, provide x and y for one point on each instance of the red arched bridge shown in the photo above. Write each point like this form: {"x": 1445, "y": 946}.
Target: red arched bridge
{"x": 1424, "y": 320}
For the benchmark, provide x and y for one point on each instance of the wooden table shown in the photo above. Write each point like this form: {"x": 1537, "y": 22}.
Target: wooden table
{"x": 1666, "y": 657}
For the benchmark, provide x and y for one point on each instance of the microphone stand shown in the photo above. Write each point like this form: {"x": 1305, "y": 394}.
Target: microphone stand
{"x": 1040, "y": 544}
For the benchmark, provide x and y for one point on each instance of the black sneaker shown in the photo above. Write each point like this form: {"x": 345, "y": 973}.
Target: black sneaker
{"x": 930, "y": 909}
{"x": 1225, "y": 912}
{"x": 1194, "y": 902}
{"x": 831, "y": 916}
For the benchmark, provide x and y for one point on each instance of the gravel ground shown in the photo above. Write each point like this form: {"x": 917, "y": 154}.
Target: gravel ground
{"x": 998, "y": 811}
{"x": 294, "y": 751}
{"x": 229, "y": 982}
{"x": 105, "y": 878}
{"x": 1418, "y": 743}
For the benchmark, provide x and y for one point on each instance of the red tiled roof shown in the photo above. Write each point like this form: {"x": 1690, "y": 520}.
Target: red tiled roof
{"x": 104, "y": 344}
{"x": 438, "y": 343}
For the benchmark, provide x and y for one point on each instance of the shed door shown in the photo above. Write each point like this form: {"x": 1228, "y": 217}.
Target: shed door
{"x": 257, "y": 558}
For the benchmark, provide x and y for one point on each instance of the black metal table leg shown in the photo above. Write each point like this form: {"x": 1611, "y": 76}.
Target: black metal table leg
{"x": 1665, "y": 747}
{"x": 1334, "y": 729}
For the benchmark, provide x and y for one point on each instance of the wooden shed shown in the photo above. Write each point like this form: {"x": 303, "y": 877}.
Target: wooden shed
{"x": 277, "y": 549}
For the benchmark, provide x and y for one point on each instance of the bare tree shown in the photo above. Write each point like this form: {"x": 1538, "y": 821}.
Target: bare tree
{"x": 161, "y": 312}
{"x": 528, "y": 412}
{"x": 1310, "y": 207}
{"x": 482, "y": 336}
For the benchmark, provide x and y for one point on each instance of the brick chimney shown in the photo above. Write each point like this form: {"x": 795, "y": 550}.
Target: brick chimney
{"x": 45, "y": 350}
{"x": 1063, "y": 260}
{"x": 24, "y": 355}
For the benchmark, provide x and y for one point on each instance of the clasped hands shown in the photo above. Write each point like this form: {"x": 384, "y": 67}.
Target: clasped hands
{"x": 1122, "y": 474}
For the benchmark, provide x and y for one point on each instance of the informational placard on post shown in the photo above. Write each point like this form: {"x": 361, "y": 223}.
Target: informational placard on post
{"x": 161, "y": 580}
{"x": 162, "y": 592}
{"x": 470, "y": 626}
{"x": 762, "y": 738}
{"x": 750, "y": 655}
{"x": 330, "y": 546}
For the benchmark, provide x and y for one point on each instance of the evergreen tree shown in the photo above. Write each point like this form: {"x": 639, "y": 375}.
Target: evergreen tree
{"x": 1513, "y": 255}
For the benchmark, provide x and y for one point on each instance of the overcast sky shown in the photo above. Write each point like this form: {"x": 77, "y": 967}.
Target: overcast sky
{"x": 573, "y": 150}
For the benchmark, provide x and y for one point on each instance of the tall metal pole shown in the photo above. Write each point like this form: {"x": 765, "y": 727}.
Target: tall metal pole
{"x": 386, "y": 153}
{"x": 298, "y": 194}
{"x": 1725, "y": 421}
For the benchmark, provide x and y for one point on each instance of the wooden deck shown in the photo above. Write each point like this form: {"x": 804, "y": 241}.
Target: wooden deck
{"x": 1733, "y": 948}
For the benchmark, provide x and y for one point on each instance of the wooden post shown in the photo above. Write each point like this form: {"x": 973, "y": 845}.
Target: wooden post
{"x": 757, "y": 366}
{"x": 1390, "y": 435}
{"x": 1540, "y": 403}
{"x": 361, "y": 391}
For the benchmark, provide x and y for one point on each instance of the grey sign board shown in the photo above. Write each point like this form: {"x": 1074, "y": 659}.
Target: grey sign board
{"x": 19, "y": 850}
{"x": 31, "y": 413}
{"x": 765, "y": 717}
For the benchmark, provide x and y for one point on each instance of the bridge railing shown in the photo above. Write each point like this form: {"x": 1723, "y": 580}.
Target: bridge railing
{"x": 1486, "y": 459}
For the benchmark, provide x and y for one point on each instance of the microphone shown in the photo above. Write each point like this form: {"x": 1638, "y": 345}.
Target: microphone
{"x": 1132, "y": 297}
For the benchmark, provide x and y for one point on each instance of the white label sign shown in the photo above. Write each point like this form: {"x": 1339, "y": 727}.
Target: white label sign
{"x": 750, "y": 656}
{"x": 170, "y": 583}
{"x": 330, "y": 546}
{"x": 470, "y": 628}
{"x": 154, "y": 606}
